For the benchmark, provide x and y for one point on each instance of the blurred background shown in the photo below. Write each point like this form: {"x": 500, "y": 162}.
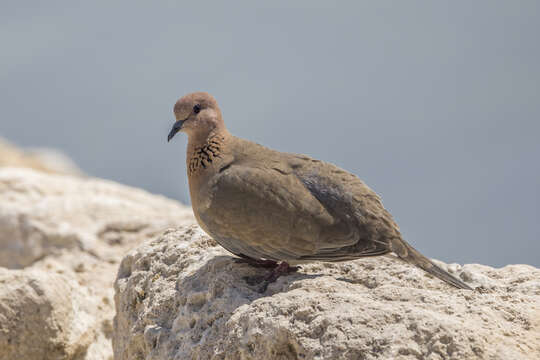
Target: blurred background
{"x": 435, "y": 105}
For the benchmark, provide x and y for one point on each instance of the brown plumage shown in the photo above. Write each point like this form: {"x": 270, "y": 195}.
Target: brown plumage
{"x": 267, "y": 206}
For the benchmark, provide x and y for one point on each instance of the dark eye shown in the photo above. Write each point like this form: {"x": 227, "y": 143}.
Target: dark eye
{"x": 197, "y": 108}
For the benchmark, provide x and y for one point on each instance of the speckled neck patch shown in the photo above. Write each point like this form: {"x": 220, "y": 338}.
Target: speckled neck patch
{"x": 202, "y": 156}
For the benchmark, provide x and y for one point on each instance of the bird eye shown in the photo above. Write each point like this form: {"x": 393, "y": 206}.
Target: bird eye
{"x": 197, "y": 108}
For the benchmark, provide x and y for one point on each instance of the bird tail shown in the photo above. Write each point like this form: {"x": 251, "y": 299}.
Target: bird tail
{"x": 412, "y": 256}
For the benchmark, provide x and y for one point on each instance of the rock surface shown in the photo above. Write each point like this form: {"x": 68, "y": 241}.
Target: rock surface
{"x": 45, "y": 316}
{"x": 66, "y": 236}
{"x": 181, "y": 296}
{"x": 41, "y": 214}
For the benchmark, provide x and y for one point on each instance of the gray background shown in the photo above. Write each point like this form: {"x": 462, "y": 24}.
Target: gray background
{"x": 434, "y": 104}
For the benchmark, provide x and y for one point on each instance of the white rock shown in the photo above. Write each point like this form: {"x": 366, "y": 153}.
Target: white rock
{"x": 182, "y": 297}
{"x": 68, "y": 234}
{"x": 45, "y": 316}
{"x": 42, "y": 213}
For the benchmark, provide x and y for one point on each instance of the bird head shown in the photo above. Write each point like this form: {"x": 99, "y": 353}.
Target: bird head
{"x": 196, "y": 114}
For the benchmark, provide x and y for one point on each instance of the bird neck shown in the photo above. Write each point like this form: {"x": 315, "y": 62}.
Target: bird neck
{"x": 205, "y": 150}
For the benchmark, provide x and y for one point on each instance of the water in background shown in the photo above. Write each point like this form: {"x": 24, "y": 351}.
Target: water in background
{"x": 434, "y": 105}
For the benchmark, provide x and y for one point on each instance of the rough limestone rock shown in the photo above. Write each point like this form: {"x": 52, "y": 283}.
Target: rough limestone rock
{"x": 181, "y": 296}
{"x": 45, "y": 316}
{"x": 41, "y": 159}
{"x": 67, "y": 236}
{"x": 41, "y": 214}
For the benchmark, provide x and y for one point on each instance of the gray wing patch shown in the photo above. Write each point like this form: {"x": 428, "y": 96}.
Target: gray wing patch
{"x": 333, "y": 197}
{"x": 340, "y": 202}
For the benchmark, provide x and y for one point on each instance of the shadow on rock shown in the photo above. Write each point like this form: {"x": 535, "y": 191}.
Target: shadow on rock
{"x": 222, "y": 276}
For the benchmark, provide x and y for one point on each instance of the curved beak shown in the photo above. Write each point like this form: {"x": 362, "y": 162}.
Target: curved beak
{"x": 176, "y": 128}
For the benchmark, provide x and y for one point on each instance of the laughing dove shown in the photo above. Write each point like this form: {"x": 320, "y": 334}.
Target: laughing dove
{"x": 273, "y": 209}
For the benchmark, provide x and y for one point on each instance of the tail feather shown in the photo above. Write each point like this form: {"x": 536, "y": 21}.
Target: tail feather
{"x": 412, "y": 256}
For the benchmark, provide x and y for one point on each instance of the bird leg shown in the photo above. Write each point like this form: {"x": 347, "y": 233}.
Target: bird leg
{"x": 283, "y": 268}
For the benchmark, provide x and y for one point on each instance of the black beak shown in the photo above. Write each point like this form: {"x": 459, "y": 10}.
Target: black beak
{"x": 176, "y": 128}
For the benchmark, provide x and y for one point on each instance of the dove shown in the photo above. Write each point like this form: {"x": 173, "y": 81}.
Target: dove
{"x": 277, "y": 210}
